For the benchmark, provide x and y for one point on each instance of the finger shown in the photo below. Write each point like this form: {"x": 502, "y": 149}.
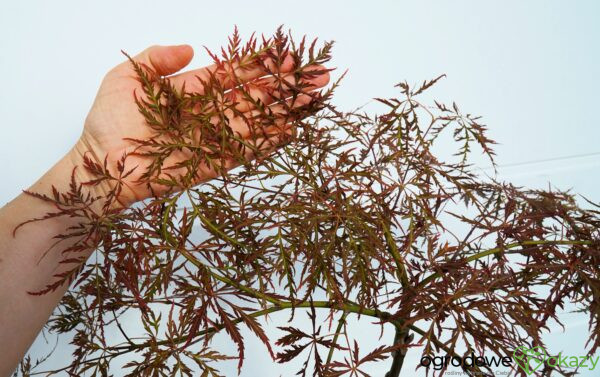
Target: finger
{"x": 250, "y": 149}
{"x": 245, "y": 124}
{"x": 259, "y": 148}
{"x": 265, "y": 91}
{"x": 164, "y": 60}
{"x": 270, "y": 119}
{"x": 232, "y": 74}
{"x": 256, "y": 140}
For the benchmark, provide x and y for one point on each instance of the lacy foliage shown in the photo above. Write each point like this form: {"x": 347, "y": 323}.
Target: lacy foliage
{"x": 354, "y": 214}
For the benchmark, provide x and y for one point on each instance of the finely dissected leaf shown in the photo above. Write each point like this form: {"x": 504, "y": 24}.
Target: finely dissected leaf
{"x": 354, "y": 213}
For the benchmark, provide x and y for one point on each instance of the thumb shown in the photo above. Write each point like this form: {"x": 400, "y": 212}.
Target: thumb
{"x": 166, "y": 60}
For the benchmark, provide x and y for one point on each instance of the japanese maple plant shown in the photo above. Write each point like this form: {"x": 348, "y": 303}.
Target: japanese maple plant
{"x": 345, "y": 215}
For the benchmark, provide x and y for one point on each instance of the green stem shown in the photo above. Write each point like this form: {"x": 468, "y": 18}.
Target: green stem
{"x": 393, "y": 249}
{"x": 338, "y": 330}
{"x": 488, "y": 252}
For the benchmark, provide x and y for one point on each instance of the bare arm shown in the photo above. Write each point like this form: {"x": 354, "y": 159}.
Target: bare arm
{"x": 114, "y": 116}
{"x": 22, "y": 268}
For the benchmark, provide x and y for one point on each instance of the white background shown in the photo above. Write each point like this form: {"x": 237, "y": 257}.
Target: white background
{"x": 530, "y": 68}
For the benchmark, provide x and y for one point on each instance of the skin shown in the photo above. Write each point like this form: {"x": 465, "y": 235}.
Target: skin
{"x": 113, "y": 116}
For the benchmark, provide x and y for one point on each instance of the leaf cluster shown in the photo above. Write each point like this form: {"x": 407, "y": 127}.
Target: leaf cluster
{"x": 351, "y": 213}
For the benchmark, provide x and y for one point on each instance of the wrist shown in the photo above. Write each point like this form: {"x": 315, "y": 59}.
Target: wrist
{"x": 92, "y": 183}
{"x": 54, "y": 188}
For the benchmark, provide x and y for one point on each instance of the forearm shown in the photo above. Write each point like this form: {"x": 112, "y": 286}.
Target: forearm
{"x": 24, "y": 267}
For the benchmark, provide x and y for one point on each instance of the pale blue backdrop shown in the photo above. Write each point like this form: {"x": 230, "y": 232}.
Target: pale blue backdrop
{"x": 530, "y": 68}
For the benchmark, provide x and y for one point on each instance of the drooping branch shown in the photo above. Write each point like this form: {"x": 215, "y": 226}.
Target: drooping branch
{"x": 345, "y": 211}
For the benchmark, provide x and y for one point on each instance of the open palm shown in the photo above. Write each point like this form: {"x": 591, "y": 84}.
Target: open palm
{"x": 115, "y": 116}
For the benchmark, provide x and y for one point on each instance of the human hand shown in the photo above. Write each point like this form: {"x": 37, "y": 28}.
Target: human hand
{"x": 115, "y": 117}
